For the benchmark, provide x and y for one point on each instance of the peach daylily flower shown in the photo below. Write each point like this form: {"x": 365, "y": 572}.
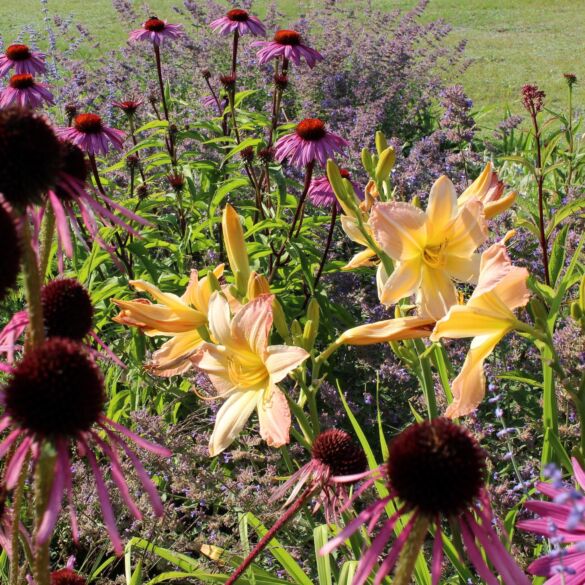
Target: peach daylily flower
{"x": 176, "y": 317}
{"x": 389, "y": 330}
{"x": 245, "y": 371}
{"x": 487, "y": 317}
{"x": 488, "y": 189}
{"x": 431, "y": 248}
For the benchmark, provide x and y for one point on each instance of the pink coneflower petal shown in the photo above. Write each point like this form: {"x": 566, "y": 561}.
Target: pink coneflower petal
{"x": 106, "y": 506}
{"x": 389, "y": 562}
{"x": 476, "y": 557}
{"x": 9, "y": 441}
{"x": 143, "y": 476}
{"x": 16, "y": 463}
{"x": 20, "y": 58}
{"x": 157, "y": 31}
{"x": 61, "y": 223}
{"x": 118, "y": 475}
{"x": 141, "y": 442}
{"x": 53, "y": 505}
{"x": 437, "y": 556}
{"x": 63, "y": 455}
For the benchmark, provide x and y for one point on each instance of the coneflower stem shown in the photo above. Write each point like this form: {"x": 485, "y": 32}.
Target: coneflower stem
{"x": 15, "y": 536}
{"x": 161, "y": 84}
{"x": 410, "y": 551}
{"x": 32, "y": 285}
{"x": 44, "y": 478}
{"x": 47, "y": 233}
{"x": 235, "y": 52}
{"x": 265, "y": 540}
{"x": 327, "y": 245}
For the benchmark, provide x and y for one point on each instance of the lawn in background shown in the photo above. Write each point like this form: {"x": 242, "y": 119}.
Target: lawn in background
{"x": 511, "y": 42}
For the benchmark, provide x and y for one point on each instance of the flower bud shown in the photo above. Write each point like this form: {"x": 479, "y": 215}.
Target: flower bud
{"x": 311, "y": 325}
{"x": 347, "y": 199}
{"x": 235, "y": 245}
{"x": 385, "y": 164}
{"x": 279, "y": 320}
{"x": 257, "y": 285}
{"x": 368, "y": 162}
{"x": 381, "y": 143}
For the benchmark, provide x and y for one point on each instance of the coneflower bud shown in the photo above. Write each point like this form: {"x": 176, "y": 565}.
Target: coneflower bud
{"x": 10, "y": 256}
{"x": 71, "y": 111}
{"x": 67, "y": 577}
{"x": 132, "y": 161}
{"x": 67, "y": 309}
{"x": 142, "y": 191}
{"x": 570, "y": 78}
{"x": 56, "y": 390}
{"x": 281, "y": 81}
{"x": 436, "y": 467}
{"x": 228, "y": 81}
{"x": 206, "y": 73}
{"x": 248, "y": 154}
{"x": 266, "y": 155}
{"x": 31, "y": 157}
{"x": 177, "y": 181}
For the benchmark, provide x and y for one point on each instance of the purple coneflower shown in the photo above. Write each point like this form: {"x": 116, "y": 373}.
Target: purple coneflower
{"x": 30, "y": 155}
{"x": 309, "y": 142}
{"x": 289, "y": 45}
{"x": 321, "y": 192}
{"x": 23, "y": 91}
{"x": 10, "y": 257}
{"x": 67, "y": 313}
{"x": 562, "y": 521}
{"x": 436, "y": 470}
{"x": 91, "y": 135}
{"x": 22, "y": 60}
{"x": 72, "y": 191}
{"x": 129, "y": 107}
{"x": 56, "y": 395}
{"x": 157, "y": 31}
{"x": 335, "y": 460}
{"x": 241, "y": 21}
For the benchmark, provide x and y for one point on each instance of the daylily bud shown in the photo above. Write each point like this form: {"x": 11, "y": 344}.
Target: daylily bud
{"x": 297, "y": 332}
{"x": 367, "y": 161}
{"x": 257, "y": 285}
{"x": 347, "y": 199}
{"x": 213, "y": 282}
{"x": 416, "y": 201}
{"x": 576, "y": 312}
{"x": 385, "y": 164}
{"x": 235, "y": 245}
{"x": 381, "y": 143}
{"x": 279, "y": 319}
{"x": 311, "y": 325}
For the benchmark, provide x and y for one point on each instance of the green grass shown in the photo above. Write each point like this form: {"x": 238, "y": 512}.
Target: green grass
{"x": 511, "y": 42}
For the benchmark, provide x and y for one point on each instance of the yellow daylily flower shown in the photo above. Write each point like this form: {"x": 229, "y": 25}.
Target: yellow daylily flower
{"x": 431, "y": 248}
{"x": 487, "y": 317}
{"x": 246, "y": 371}
{"x": 176, "y": 317}
{"x": 488, "y": 189}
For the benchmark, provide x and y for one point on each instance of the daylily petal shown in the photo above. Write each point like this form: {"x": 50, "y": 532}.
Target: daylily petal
{"x": 469, "y": 386}
{"x": 351, "y": 228}
{"x": 389, "y": 330}
{"x": 214, "y": 361}
{"x": 251, "y": 325}
{"x": 172, "y": 358}
{"x": 403, "y": 282}
{"x": 169, "y": 299}
{"x": 463, "y": 269}
{"x": 468, "y": 231}
{"x": 280, "y": 360}
{"x": 437, "y": 293}
{"x": 493, "y": 208}
{"x": 219, "y": 319}
{"x": 469, "y": 321}
{"x": 274, "y": 417}
{"x": 479, "y": 187}
{"x": 360, "y": 260}
{"x": 198, "y": 292}
{"x": 230, "y": 420}
{"x": 399, "y": 229}
{"x": 441, "y": 210}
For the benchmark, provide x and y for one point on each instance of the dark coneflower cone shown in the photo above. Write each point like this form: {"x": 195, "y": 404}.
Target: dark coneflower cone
{"x": 154, "y": 24}
{"x": 311, "y": 129}
{"x": 67, "y": 577}
{"x": 11, "y": 254}
{"x": 56, "y": 390}
{"x": 288, "y": 37}
{"x": 238, "y": 15}
{"x": 18, "y": 52}
{"x": 436, "y": 467}
{"x": 338, "y": 451}
{"x": 88, "y": 123}
{"x": 31, "y": 157}
{"x": 21, "y": 81}
{"x": 67, "y": 309}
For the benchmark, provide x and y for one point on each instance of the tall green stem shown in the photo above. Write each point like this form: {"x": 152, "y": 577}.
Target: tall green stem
{"x": 15, "y": 536}
{"x": 549, "y": 403}
{"x": 32, "y": 287}
{"x": 47, "y": 233}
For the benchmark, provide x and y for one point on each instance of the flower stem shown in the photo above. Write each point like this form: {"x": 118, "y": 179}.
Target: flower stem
{"x": 47, "y": 233}
{"x": 44, "y": 477}
{"x": 32, "y": 284}
{"x": 327, "y": 245}
{"x": 265, "y": 540}
{"x": 410, "y": 551}
{"x": 161, "y": 84}
{"x": 15, "y": 536}
{"x": 235, "y": 52}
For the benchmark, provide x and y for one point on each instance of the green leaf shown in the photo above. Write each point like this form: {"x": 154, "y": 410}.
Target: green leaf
{"x": 558, "y": 254}
{"x": 320, "y": 534}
